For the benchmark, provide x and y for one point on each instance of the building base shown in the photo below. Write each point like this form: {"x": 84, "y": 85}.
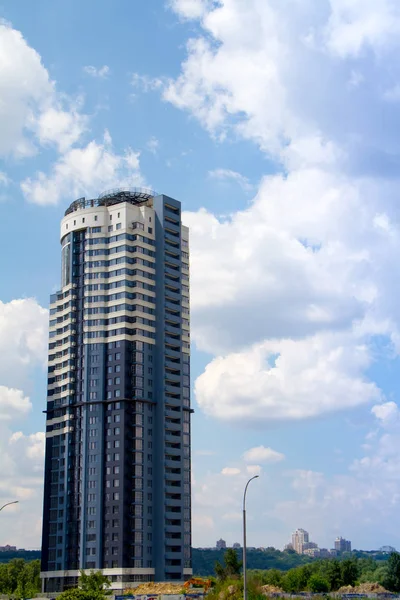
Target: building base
{"x": 120, "y": 578}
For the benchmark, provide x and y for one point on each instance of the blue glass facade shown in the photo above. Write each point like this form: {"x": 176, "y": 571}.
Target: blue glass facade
{"x": 117, "y": 467}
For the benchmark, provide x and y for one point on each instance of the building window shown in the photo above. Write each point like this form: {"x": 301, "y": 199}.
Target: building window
{"x": 110, "y": 227}
{"x": 118, "y": 226}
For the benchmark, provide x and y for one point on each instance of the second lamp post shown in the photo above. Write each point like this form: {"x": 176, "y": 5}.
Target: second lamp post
{"x": 244, "y": 539}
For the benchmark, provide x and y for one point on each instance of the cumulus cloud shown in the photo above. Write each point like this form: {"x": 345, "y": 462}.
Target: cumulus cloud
{"x": 190, "y": 9}
{"x": 13, "y": 403}
{"x": 85, "y": 171}
{"x": 253, "y": 69}
{"x": 305, "y": 268}
{"x": 31, "y": 110}
{"x": 21, "y": 478}
{"x": 287, "y": 379}
{"x": 23, "y": 340}
{"x": 263, "y": 454}
{"x": 99, "y": 73}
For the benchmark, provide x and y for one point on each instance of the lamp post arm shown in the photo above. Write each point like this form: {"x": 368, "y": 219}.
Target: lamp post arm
{"x": 8, "y": 504}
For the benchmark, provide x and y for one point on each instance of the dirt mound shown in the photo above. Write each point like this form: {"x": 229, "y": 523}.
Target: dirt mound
{"x": 229, "y": 591}
{"x": 271, "y": 589}
{"x": 147, "y": 589}
{"x": 363, "y": 588}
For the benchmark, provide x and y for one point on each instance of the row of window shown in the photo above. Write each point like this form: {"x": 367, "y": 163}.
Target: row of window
{"x": 118, "y": 249}
{"x": 117, "y": 284}
{"x": 120, "y": 260}
{"x": 119, "y": 331}
{"x": 122, "y": 236}
{"x": 118, "y": 272}
{"x": 119, "y": 296}
{"x": 95, "y": 310}
{"x": 119, "y": 319}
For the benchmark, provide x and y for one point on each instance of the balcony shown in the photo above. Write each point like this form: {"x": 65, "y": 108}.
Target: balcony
{"x": 173, "y": 329}
{"x": 172, "y": 239}
{"x": 170, "y": 353}
{"x": 171, "y": 378}
{"x": 170, "y": 463}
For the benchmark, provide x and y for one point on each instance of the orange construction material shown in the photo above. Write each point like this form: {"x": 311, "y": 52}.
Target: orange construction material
{"x": 197, "y": 581}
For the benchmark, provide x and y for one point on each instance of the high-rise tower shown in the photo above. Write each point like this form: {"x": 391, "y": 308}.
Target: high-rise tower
{"x": 117, "y": 467}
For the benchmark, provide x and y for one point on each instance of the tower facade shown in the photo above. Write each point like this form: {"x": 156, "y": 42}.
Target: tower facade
{"x": 117, "y": 491}
{"x": 299, "y": 540}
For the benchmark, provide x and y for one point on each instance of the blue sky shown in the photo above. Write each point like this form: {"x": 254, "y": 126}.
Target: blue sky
{"x": 277, "y": 128}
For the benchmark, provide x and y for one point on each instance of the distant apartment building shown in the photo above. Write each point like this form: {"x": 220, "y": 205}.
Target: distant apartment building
{"x": 309, "y": 546}
{"x": 8, "y": 548}
{"x": 221, "y": 544}
{"x": 236, "y": 546}
{"x": 342, "y": 545}
{"x": 299, "y": 538}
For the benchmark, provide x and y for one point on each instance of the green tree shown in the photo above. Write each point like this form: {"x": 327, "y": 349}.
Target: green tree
{"x": 232, "y": 565}
{"x": 317, "y": 584}
{"x": 78, "y": 594}
{"x": 350, "y": 571}
{"x": 332, "y": 572}
{"x": 94, "y": 582}
{"x": 393, "y": 572}
{"x": 272, "y": 577}
{"x": 292, "y": 581}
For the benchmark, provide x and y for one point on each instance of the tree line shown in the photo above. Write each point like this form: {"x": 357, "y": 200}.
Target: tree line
{"x": 20, "y": 579}
{"x": 319, "y": 576}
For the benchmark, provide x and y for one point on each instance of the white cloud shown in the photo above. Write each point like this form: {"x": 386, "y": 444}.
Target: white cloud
{"x": 253, "y": 68}
{"x": 85, "y": 171}
{"x": 254, "y": 469}
{"x": 305, "y": 269}
{"x": 230, "y": 471}
{"x": 145, "y": 83}
{"x": 30, "y": 447}
{"x": 99, "y": 73}
{"x": 190, "y": 9}
{"x": 4, "y": 179}
{"x": 228, "y": 175}
{"x": 287, "y": 379}
{"x": 13, "y": 403}
{"x": 263, "y": 454}
{"x": 23, "y": 340}
{"x": 30, "y": 103}
{"x": 21, "y": 478}
{"x": 153, "y": 145}
{"x": 63, "y": 127}
{"x": 356, "y": 25}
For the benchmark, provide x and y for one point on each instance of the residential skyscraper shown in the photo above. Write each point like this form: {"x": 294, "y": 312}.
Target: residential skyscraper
{"x": 342, "y": 545}
{"x": 117, "y": 491}
{"x": 299, "y": 538}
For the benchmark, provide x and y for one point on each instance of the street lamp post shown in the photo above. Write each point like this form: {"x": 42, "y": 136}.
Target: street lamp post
{"x": 8, "y": 504}
{"x": 244, "y": 539}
